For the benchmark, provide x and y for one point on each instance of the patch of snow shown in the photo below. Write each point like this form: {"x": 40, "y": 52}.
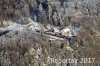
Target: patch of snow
{"x": 66, "y": 32}
{"x": 55, "y": 38}
{"x": 70, "y": 31}
{"x": 69, "y": 48}
{"x": 35, "y": 26}
{"x": 8, "y": 23}
{"x": 16, "y": 27}
{"x": 48, "y": 26}
{"x": 12, "y": 26}
{"x": 56, "y": 30}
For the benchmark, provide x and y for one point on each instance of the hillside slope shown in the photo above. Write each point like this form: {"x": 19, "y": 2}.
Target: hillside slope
{"x": 41, "y": 32}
